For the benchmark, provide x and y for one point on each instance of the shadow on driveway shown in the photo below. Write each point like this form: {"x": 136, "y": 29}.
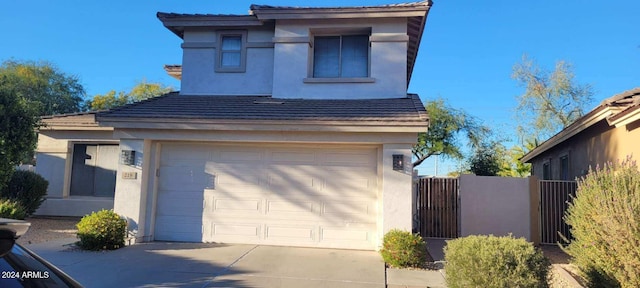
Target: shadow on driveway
{"x": 155, "y": 264}
{"x": 169, "y": 264}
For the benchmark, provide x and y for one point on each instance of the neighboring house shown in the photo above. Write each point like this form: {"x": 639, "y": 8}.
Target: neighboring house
{"x": 293, "y": 126}
{"x": 610, "y": 132}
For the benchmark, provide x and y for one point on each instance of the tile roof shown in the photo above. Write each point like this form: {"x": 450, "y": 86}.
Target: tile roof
{"x": 73, "y": 121}
{"x": 396, "y": 5}
{"x": 259, "y": 108}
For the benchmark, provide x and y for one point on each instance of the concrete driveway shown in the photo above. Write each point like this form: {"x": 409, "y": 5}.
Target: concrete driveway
{"x": 165, "y": 264}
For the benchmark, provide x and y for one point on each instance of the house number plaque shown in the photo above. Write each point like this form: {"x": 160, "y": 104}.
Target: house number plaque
{"x": 129, "y": 175}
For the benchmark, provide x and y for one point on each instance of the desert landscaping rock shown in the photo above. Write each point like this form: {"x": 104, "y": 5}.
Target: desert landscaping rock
{"x": 45, "y": 229}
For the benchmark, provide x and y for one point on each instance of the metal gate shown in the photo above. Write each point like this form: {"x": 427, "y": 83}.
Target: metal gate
{"x": 438, "y": 207}
{"x": 555, "y": 197}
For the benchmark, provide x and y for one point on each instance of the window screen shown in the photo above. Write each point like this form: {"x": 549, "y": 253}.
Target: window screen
{"x": 341, "y": 56}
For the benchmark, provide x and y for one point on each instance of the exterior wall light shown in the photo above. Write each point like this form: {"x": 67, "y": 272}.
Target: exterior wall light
{"x": 398, "y": 162}
{"x": 128, "y": 157}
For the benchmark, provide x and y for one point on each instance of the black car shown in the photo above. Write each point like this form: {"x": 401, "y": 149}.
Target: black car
{"x": 20, "y": 267}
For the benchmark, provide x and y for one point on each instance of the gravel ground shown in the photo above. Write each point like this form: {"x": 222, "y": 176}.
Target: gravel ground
{"x": 45, "y": 229}
{"x": 560, "y": 260}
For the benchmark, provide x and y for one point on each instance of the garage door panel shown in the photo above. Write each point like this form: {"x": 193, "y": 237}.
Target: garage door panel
{"x": 187, "y": 229}
{"x": 229, "y": 206}
{"x": 299, "y": 157}
{"x": 344, "y": 234}
{"x": 179, "y": 206}
{"x": 290, "y": 179}
{"x": 294, "y": 209}
{"x": 283, "y": 233}
{"x": 298, "y": 195}
{"x": 289, "y": 207}
{"x": 233, "y": 230}
{"x": 172, "y": 153}
{"x": 359, "y": 211}
{"x": 183, "y": 177}
{"x": 238, "y": 155}
{"x": 347, "y": 158}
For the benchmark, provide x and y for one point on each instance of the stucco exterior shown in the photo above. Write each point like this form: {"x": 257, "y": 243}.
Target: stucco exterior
{"x": 591, "y": 148}
{"x": 293, "y": 53}
{"x": 497, "y": 205}
{"x": 199, "y": 76}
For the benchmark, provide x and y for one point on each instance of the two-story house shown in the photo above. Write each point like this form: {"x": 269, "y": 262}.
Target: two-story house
{"x": 293, "y": 126}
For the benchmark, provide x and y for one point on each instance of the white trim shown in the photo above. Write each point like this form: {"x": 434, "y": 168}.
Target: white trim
{"x": 626, "y": 119}
{"x": 373, "y": 126}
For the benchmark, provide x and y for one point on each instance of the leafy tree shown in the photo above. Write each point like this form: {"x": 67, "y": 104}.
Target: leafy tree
{"x": 46, "y": 87}
{"x": 442, "y": 136}
{"x": 552, "y": 99}
{"x": 141, "y": 91}
{"x": 144, "y": 90}
{"x": 109, "y": 100}
{"x": 487, "y": 159}
{"x": 18, "y": 121}
{"x": 512, "y": 166}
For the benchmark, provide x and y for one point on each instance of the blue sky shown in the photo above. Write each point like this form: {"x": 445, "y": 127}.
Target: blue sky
{"x": 466, "y": 55}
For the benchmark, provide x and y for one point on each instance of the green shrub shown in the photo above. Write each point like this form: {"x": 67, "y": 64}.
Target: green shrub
{"x": 11, "y": 209}
{"x": 490, "y": 261}
{"x": 605, "y": 225}
{"x": 103, "y": 230}
{"x": 403, "y": 249}
{"x": 27, "y": 188}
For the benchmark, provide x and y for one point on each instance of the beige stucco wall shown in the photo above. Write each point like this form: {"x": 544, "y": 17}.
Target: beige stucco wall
{"x": 495, "y": 205}
{"x": 53, "y": 156}
{"x": 592, "y": 147}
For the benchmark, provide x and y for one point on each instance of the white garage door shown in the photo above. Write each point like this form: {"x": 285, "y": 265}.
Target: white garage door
{"x": 281, "y": 195}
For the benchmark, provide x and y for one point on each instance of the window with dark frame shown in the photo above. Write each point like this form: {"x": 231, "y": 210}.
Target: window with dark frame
{"x": 344, "y": 56}
{"x": 564, "y": 167}
{"x": 546, "y": 171}
{"x": 231, "y": 51}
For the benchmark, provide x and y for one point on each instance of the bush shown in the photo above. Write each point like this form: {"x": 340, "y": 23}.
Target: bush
{"x": 605, "y": 225}
{"x": 403, "y": 249}
{"x": 27, "y": 188}
{"x": 103, "y": 230}
{"x": 11, "y": 209}
{"x": 490, "y": 261}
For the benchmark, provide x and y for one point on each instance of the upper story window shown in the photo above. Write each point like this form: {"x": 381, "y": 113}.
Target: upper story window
{"x": 231, "y": 51}
{"x": 343, "y": 56}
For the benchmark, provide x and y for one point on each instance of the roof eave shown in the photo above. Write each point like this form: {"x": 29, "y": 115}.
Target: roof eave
{"x": 625, "y": 117}
{"x": 276, "y": 13}
{"x": 593, "y": 117}
{"x": 264, "y": 125}
{"x": 178, "y": 23}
